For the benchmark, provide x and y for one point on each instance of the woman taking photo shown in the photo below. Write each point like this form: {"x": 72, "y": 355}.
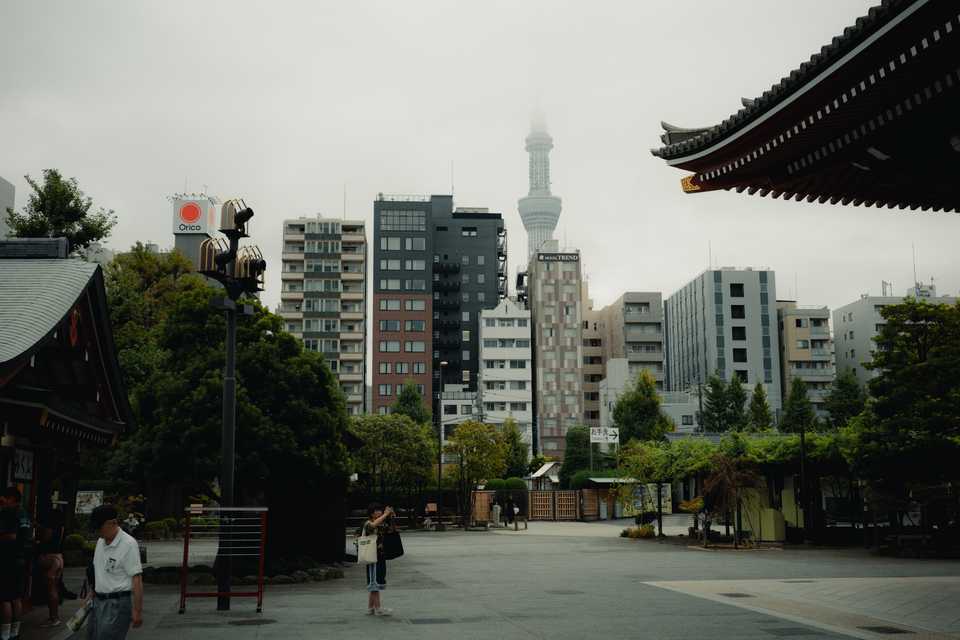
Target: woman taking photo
{"x": 377, "y": 524}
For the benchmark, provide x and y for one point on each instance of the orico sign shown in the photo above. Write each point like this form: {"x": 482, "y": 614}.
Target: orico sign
{"x": 193, "y": 216}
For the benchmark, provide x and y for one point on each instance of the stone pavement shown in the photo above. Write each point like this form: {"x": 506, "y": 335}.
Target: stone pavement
{"x": 580, "y": 580}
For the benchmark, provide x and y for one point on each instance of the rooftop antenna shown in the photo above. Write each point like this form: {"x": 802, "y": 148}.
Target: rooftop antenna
{"x": 344, "y": 199}
{"x": 204, "y": 192}
{"x": 451, "y": 177}
{"x": 913, "y": 249}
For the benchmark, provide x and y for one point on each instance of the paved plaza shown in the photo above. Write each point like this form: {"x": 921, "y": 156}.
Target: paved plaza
{"x": 580, "y": 580}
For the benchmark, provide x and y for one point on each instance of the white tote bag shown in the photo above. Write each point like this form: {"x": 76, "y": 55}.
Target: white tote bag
{"x": 367, "y": 548}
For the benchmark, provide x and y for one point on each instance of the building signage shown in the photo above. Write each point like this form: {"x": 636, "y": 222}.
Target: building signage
{"x": 22, "y": 465}
{"x": 604, "y": 435}
{"x": 558, "y": 257}
{"x": 87, "y": 501}
{"x": 194, "y": 215}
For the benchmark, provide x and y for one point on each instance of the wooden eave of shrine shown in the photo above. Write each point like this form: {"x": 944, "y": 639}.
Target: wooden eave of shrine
{"x": 870, "y": 119}
{"x": 59, "y": 368}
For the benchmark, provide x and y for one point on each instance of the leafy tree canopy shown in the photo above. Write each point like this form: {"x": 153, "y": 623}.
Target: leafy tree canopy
{"x": 845, "y": 400}
{"x": 716, "y": 409}
{"x": 759, "y": 418}
{"x": 410, "y": 403}
{"x": 59, "y": 208}
{"x": 798, "y": 414}
{"x": 736, "y": 419}
{"x": 516, "y": 449}
{"x": 637, "y": 412}
{"x": 396, "y": 451}
{"x": 576, "y": 455}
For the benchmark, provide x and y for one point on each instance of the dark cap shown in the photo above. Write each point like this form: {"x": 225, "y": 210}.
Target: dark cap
{"x": 102, "y": 514}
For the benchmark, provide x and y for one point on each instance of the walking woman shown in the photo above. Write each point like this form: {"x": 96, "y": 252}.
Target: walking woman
{"x": 377, "y": 524}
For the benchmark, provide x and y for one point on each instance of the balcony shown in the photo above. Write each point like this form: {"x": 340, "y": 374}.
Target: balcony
{"x": 292, "y": 255}
{"x": 446, "y": 324}
{"x": 446, "y": 286}
{"x": 291, "y": 314}
{"x": 447, "y": 343}
{"x": 446, "y": 267}
{"x": 820, "y": 331}
{"x": 352, "y": 237}
{"x": 351, "y": 356}
{"x": 351, "y": 256}
{"x": 351, "y": 377}
{"x": 820, "y": 354}
{"x": 291, "y": 275}
{"x": 353, "y": 276}
{"x": 351, "y": 335}
{"x": 351, "y": 295}
{"x": 446, "y": 304}
{"x": 291, "y": 295}
{"x": 351, "y": 315}
{"x": 813, "y": 375}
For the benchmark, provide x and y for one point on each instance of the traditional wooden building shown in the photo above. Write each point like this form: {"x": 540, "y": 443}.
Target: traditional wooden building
{"x": 870, "y": 119}
{"x": 60, "y": 382}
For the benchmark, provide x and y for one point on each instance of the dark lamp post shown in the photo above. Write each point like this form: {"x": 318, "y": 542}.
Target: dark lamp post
{"x": 443, "y": 363}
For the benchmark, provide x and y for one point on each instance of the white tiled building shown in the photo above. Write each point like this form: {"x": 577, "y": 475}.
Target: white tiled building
{"x": 506, "y": 371}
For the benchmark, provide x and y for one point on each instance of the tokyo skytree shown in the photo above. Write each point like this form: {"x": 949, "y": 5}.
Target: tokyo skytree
{"x": 539, "y": 210}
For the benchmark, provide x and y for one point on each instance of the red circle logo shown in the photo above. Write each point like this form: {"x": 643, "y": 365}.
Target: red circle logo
{"x": 190, "y": 212}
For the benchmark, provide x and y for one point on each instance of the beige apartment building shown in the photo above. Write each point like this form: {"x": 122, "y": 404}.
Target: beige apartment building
{"x": 593, "y": 360}
{"x": 806, "y": 351}
{"x": 323, "y": 299}
{"x": 554, "y": 281}
{"x": 632, "y": 328}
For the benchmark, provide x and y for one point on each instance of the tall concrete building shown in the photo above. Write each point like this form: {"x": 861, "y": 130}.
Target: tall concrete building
{"x": 540, "y": 209}
{"x": 856, "y": 324}
{"x": 434, "y": 270}
{"x": 806, "y": 351}
{"x": 506, "y": 372}
{"x": 7, "y": 197}
{"x": 554, "y": 290}
{"x": 593, "y": 359}
{"x": 323, "y": 297}
{"x": 632, "y": 328}
{"x": 724, "y": 321}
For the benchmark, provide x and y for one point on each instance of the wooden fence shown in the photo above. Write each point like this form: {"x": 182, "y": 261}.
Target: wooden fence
{"x": 554, "y": 505}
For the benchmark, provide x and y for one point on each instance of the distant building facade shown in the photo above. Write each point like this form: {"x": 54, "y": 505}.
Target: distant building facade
{"x": 7, "y": 201}
{"x": 323, "y": 297}
{"x": 806, "y": 351}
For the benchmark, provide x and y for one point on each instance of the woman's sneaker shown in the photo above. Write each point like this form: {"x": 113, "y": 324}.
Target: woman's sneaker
{"x": 371, "y": 611}
{"x": 384, "y": 612}
{"x": 53, "y": 622}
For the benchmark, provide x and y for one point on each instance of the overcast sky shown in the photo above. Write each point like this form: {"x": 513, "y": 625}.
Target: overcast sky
{"x": 285, "y": 103}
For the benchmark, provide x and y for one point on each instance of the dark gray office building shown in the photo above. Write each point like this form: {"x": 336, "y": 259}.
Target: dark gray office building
{"x": 434, "y": 269}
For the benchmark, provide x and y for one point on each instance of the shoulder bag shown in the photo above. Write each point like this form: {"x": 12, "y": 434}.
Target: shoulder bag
{"x": 392, "y": 545}
{"x": 367, "y": 547}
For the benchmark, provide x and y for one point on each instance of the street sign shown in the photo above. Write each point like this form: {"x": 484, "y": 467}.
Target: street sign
{"x": 604, "y": 435}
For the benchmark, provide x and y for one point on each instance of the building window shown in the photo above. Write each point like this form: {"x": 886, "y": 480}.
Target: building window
{"x": 803, "y": 344}
{"x": 389, "y": 325}
{"x": 518, "y": 364}
{"x": 466, "y": 409}
{"x": 415, "y": 325}
{"x": 389, "y": 305}
{"x": 419, "y": 368}
{"x": 468, "y": 232}
{"x": 403, "y": 367}
{"x": 385, "y": 389}
{"x": 518, "y": 406}
{"x": 390, "y": 265}
{"x": 738, "y": 311}
{"x": 739, "y": 333}
{"x": 465, "y": 354}
{"x": 449, "y": 409}
{"x": 465, "y": 296}
{"x": 415, "y": 305}
{"x": 415, "y": 285}
{"x": 465, "y": 278}
{"x": 480, "y": 261}
{"x": 736, "y": 289}
{"x": 385, "y": 367}
{"x": 489, "y": 322}
{"x": 739, "y": 355}
{"x": 414, "y": 346}
{"x": 481, "y": 296}
{"x": 521, "y": 322}
{"x": 389, "y": 346}
{"x": 740, "y": 373}
{"x": 481, "y": 278}
{"x": 389, "y": 243}
{"x": 686, "y": 420}
{"x": 465, "y": 316}
{"x": 465, "y": 259}
{"x": 390, "y": 284}
{"x": 415, "y": 244}
{"x": 415, "y": 265}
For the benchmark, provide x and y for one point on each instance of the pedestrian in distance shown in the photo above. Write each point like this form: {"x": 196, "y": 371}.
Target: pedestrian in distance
{"x": 378, "y": 523}
{"x": 118, "y": 582}
{"x": 510, "y": 512}
{"x": 50, "y": 561}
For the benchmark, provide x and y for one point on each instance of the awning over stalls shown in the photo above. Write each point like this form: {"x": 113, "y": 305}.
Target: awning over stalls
{"x": 870, "y": 119}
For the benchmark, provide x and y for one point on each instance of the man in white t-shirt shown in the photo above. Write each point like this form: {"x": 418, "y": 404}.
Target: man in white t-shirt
{"x": 118, "y": 583}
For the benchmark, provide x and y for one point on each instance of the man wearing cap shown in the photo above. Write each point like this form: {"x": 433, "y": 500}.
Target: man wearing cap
{"x": 118, "y": 584}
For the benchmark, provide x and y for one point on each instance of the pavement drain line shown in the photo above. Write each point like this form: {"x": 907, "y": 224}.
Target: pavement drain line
{"x": 844, "y": 631}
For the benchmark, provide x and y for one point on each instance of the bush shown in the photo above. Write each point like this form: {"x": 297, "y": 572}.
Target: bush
{"x": 580, "y": 478}
{"x": 155, "y": 530}
{"x": 74, "y": 542}
{"x": 642, "y": 532}
{"x": 495, "y": 485}
{"x": 172, "y": 524}
{"x": 515, "y": 484}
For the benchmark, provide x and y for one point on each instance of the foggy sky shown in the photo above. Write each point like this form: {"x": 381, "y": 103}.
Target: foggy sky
{"x": 288, "y": 103}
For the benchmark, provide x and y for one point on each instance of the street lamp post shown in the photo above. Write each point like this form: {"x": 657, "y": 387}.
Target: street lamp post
{"x": 443, "y": 363}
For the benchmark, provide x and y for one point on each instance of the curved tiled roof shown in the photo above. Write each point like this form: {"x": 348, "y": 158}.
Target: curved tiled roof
{"x": 35, "y": 295}
{"x": 876, "y": 18}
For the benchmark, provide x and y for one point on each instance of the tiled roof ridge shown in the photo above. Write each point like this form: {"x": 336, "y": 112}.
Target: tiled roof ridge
{"x": 876, "y": 18}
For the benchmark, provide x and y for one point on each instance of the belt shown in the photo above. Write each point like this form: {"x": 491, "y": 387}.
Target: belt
{"x": 112, "y": 596}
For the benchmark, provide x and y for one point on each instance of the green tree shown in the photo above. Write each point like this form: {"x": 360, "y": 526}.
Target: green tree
{"x": 291, "y": 414}
{"x": 759, "y": 417}
{"x": 576, "y": 455}
{"x": 396, "y": 453}
{"x": 798, "y": 414}
{"x": 715, "y": 405}
{"x": 637, "y": 411}
{"x": 845, "y": 400}
{"x": 536, "y": 462}
{"x": 481, "y": 453}
{"x": 649, "y": 463}
{"x": 59, "y": 208}
{"x": 516, "y": 449}
{"x": 736, "y": 405}
{"x": 410, "y": 403}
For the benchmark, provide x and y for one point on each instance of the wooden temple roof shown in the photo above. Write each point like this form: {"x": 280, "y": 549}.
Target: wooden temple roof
{"x": 870, "y": 119}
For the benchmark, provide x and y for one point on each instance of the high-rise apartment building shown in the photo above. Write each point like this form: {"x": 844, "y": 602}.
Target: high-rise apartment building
{"x": 323, "y": 298}
{"x": 724, "y": 321}
{"x": 806, "y": 351}
{"x": 435, "y": 269}
{"x": 506, "y": 372}
{"x": 632, "y": 328}
{"x": 593, "y": 363}
{"x": 7, "y": 194}
{"x": 554, "y": 290}
{"x": 856, "y": 324}
{"x": 539, "y": 209}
